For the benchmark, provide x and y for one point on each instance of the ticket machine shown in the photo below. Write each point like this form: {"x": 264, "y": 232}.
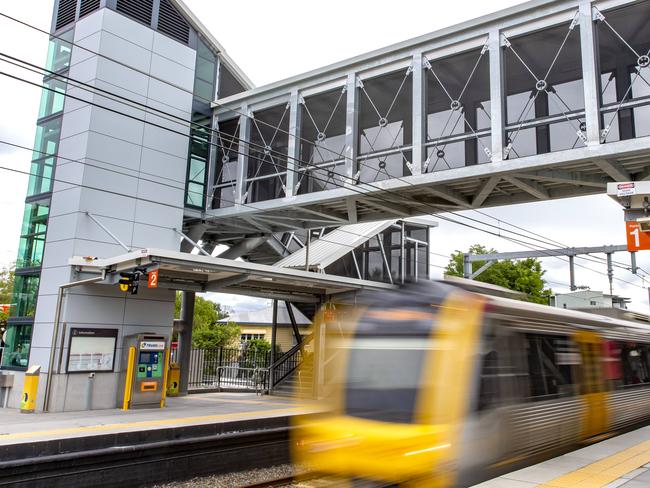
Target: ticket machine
{"x": 142, "y": 384}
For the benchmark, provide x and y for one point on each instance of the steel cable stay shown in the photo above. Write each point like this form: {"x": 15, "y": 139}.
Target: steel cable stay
{"x": 542, "y": 85}
{"x": 321, "y": 136}
{"x": 225, "y": 160}
{"x": 456, "y": 106}
{"x": 642, "y": 62}
{"x": 444, "y": 218}
{"x": 383, "y": 123}
{"x": 268, "y": 147}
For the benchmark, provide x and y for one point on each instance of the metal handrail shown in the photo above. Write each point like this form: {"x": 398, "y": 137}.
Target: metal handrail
{"x": 290, "y": 354}
{"x": 261, "y": 386}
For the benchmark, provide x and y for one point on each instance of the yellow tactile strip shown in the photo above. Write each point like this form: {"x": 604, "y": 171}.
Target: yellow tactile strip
{"x": 600, "y": 473}
{"x": 151, "y": 423}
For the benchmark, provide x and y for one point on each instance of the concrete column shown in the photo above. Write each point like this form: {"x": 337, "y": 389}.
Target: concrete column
{"x": 274, "y": 335}
{"x": 185, "y": 339}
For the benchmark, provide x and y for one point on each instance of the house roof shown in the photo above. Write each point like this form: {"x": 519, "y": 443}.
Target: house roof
{"x": 265, "y": 316}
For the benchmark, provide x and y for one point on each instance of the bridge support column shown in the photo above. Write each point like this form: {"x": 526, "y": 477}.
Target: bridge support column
{"x": 351, "y": 125}
{"x": 185, "y": 339}
{"x": 242, "y": 158}
{"x": 419, "y": 134}
{"x": 590, "y": 73}
{"x": 497, "y": 98}
{"x": 293, "y": 151}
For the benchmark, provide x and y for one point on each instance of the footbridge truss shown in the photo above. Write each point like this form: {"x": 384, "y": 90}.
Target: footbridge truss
{"x": 548, "y": 99}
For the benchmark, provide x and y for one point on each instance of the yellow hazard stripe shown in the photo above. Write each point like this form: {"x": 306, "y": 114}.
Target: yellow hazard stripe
{"x": 603, "y": 472}
{"x": 152, "y": 423}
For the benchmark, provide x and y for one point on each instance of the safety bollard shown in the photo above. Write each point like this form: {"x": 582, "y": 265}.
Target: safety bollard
{"x": 30, "y": 390}
{"x": 173, "y": 380}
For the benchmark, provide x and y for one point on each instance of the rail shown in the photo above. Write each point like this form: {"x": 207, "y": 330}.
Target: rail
{"x": 288, "y": 362}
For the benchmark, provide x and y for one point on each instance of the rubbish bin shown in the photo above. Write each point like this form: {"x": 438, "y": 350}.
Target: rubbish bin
{"x": 30, "y": 390}
{"x": 173, "y": 379}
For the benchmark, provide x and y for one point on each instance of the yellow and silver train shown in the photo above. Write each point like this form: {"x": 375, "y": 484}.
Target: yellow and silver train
{"x": 435, "y": 385}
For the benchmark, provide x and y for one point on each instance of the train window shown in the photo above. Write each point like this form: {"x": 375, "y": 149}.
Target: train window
{"x": 551, "y": 364}
{"x": 634, "y": 360}
{"x": 503, "y": 378}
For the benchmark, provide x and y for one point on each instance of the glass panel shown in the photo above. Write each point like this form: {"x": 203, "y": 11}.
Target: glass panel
{"x": 23, "y": 303}
{"x": 32, "y": 238}
{"x": 47, "y": 138}
{"x": 198, "y": 161}
{"x": 59, "y": 52}
{"x": 18, "y": 340}
{"x": 40, "y": 178}
{"x": 52, "y": 97}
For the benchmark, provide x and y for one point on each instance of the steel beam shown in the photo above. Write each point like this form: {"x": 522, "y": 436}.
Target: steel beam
{"x": 561, "y": 176}
{"x": 590, "y": 73}
{"x": 615, "y": 170}
{"x": 419, "y": 114}
{"x": 242, "y": 158}
{"x": 529, "y": 187}
{"x": 293, "y": 150}
{"x": 497, "y": 100}
{"x": 485, "y": 191}
{"x": 351, "y": 125}
{"x": 449, "y": 195}
{"x": 542, "y": 253}
{"x": 351, "y": 204}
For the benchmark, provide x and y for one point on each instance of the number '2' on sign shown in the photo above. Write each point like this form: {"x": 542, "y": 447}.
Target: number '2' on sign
{"x": 152, "y": 281}
{"x": 637, "y": 240}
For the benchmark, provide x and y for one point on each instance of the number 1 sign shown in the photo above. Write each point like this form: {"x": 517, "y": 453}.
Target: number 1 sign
{"x": 637, "y": 240}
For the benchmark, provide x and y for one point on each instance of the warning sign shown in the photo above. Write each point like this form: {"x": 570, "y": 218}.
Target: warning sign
{"x": 625, "y": 189}
{"x": 637, "y": 240}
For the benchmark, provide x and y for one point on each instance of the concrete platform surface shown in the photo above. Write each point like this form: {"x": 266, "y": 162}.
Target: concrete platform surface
{"x": 621, "y": 461}
{"x": 206, "y": 408}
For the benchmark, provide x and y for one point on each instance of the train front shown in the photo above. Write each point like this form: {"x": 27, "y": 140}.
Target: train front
{"x": 396, "y": 377}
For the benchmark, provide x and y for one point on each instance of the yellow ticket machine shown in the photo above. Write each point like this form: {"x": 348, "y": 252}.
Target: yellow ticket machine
{"x": 144, "y": 371}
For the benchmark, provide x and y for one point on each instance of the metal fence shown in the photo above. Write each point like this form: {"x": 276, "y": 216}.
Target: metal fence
{"x": 229, "y": 369}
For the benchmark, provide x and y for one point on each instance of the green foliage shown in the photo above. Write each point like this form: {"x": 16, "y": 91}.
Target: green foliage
{"x": 216, "y": 335}
{"x": 524, "y": 275}
{"x": 206, "y": 312}
{"x": 6, "y": 284}
{"x": 255, "y": 352}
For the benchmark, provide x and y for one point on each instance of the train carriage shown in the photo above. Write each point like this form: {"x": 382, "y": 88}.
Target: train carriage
{"x": 436, "y": 385}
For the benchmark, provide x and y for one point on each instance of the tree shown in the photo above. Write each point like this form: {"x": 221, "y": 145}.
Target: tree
{"x": 206, "y": 312}
{"x": 6, "y": 284}
{"x": 216, "y": 335}
{"x": 524, "y": 275}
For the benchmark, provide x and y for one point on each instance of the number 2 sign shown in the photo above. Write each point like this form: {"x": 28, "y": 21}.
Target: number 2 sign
{"x": 637, "y": 240}
{"x": 152, "y": 282}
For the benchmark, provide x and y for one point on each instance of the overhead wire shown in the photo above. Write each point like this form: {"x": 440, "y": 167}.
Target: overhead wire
{"x": 228, "y": 135}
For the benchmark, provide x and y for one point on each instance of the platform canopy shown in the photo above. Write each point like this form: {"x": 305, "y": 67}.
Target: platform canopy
{"x": 189, "y": 272}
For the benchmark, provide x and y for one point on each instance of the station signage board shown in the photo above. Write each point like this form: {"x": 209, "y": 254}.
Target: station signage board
{"x": 637, "y": 240}
{"x": 91, "y": 350}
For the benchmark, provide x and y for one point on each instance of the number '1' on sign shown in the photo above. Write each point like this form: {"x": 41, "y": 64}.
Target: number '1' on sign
{"x": 637, "y": 240}
{"x": 152, "y": 282}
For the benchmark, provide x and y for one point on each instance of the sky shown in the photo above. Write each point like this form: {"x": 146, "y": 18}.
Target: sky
{"x": 275, "y": 40}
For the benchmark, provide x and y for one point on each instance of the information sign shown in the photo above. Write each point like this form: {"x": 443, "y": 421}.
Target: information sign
{"x": 91, "y": 350}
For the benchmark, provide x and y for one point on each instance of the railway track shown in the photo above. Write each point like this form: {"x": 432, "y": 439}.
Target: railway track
{"x": 148, "y": 463}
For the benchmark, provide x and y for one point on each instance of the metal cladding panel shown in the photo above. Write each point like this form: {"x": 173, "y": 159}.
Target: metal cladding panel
{"x": 335, "y": 245}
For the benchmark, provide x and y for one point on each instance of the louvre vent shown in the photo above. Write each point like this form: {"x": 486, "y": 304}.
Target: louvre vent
{"x": 65, "y": 13}
{"x": 88, "y": 6}
{"x": 172, "y": 23}
{"x": 139, "y": 10}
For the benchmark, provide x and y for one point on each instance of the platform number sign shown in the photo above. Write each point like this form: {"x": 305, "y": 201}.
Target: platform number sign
{"x": 152, "y": 282}
{"x": 637, "y": 240}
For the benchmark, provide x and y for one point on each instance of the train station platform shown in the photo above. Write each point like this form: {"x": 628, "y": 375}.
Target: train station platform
{"x": 191, "y": 410}
{"x": 621, "y": 461}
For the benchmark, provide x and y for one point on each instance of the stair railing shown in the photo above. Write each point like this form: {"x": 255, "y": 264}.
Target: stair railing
{"x": 288, "y": 362}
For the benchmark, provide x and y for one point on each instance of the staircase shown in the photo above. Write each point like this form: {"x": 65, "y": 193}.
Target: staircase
{"x": 300, "y": 382}
{"x": 294, "y": 372}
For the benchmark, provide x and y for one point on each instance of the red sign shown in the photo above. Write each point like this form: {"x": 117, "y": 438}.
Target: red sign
{"x": 152, "y": 282}
{"x": 637, "y": 240}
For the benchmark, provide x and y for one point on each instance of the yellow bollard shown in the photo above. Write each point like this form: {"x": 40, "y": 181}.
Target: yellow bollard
{"x": 126, "y": 402}
{"x": 30, "y": 390}
{"x": 173, "y": 380}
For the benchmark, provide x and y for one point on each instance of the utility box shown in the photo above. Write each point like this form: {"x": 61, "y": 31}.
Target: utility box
{"x": 143, "y": 371}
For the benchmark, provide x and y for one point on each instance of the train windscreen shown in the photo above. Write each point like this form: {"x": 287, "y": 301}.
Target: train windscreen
{"x": 385, "y": 361}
